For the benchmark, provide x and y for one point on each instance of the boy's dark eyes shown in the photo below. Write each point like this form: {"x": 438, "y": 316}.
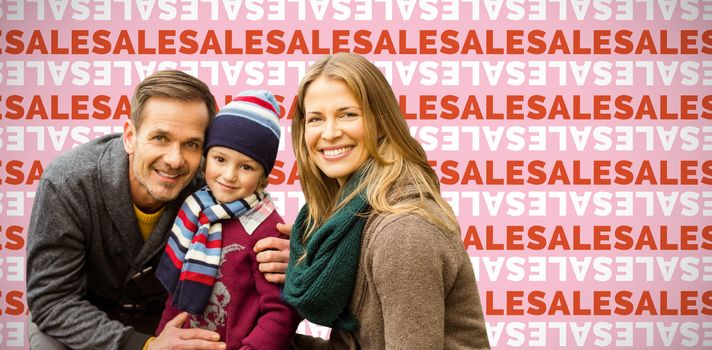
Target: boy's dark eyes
{"x": 221, "y": 159}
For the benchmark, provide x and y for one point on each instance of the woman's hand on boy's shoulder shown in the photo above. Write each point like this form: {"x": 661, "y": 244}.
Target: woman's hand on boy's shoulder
{"x": 273, "y": 255}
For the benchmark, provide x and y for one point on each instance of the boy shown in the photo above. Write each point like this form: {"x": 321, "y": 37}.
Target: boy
{"x": 209, "y": 266}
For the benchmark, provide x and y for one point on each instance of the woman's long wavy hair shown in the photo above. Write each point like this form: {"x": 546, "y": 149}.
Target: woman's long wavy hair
{"x": 396, "y": 158}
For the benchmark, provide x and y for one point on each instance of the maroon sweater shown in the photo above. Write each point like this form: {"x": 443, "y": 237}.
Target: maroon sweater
{"x": 245, "y": 309}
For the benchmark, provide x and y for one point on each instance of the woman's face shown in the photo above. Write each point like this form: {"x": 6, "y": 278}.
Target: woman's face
{"x": 334, "y": 130}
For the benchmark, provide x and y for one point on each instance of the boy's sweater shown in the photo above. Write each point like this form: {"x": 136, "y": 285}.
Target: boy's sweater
{"x": 244, "y": 308}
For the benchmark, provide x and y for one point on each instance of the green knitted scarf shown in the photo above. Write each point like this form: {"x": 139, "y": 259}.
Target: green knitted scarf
{"x": 320, "y": 285}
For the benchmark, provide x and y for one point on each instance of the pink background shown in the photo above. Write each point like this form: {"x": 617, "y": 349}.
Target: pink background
{"x": 506, "y": 331}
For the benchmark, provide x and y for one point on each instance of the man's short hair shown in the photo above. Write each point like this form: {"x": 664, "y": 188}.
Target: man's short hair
{"x": 172, "y": 84}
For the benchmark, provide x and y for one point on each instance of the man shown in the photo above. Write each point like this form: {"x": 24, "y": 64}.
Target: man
{"x": 100, "y": 220}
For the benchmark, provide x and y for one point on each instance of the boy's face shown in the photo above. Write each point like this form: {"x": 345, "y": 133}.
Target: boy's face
{"x": 230, "y": 174}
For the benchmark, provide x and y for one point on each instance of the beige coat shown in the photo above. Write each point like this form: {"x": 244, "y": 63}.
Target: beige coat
{"x": 415, "y": 289}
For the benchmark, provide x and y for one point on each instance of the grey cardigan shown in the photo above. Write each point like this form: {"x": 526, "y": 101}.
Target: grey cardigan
{"x": 90, "y": 281}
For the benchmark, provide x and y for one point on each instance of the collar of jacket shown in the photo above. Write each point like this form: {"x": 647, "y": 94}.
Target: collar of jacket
{"x": 113, "y": 170}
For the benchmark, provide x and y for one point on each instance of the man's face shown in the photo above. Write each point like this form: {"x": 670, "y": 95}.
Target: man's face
{"x": 165, "y": 152}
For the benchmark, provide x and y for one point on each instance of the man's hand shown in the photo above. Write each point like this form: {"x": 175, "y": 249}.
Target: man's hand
{"x": 273, "y": 255}
{"x": 174, "y": 337}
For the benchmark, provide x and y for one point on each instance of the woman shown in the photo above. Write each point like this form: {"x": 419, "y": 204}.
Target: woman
{"x": 376, "y": 252}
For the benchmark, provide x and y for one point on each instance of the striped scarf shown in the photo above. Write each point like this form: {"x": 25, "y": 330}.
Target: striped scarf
{"x": 189, "y": 265}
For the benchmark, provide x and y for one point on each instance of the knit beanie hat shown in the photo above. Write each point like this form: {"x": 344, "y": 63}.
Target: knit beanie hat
{"x": 248, "y": 124}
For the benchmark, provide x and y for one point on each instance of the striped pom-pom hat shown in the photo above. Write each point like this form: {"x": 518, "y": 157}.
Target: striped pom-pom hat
{"x": 248, "y": 124}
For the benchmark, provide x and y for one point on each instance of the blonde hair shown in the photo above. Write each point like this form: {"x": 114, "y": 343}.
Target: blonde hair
{"x": 396, "y": 158}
